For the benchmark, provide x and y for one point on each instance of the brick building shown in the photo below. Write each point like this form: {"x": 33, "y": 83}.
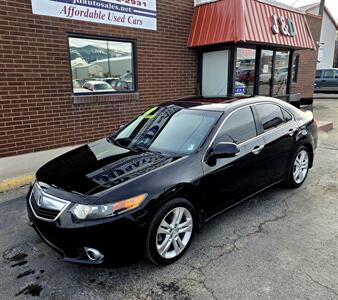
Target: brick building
{"x": 307, "y": 63}
{"x": 67, "y": 81}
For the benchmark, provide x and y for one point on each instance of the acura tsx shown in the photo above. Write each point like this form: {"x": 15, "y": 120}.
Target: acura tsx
{"x": 154, "y": 182}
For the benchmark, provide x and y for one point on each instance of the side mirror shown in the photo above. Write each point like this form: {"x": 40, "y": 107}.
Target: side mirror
{"x": 121, "y": 126}
{"x": 225, "y": 150}
{"x": 222, "y": 150}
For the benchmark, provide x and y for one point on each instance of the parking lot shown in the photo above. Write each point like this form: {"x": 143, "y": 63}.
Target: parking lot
{"x": 282, "y": 244}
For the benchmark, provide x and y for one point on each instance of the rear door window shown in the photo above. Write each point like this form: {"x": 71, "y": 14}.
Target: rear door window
{"x": 287, "y": 116}
{"x": 238, "y": 128}
{"x": 270, "y": 115}
{"x": 328, "y": 74}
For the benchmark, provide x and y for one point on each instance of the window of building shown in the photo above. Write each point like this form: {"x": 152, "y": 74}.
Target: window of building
{"x": 281, "y": 73}
{"x": 270, "y": 115}
{"x": 238, "y": 128}
{"x": 101, "y": 66}
{"x": 215, "y": 74}
{"x": 245, "y": 71}
{"x": 265, "y": 73}
{"x": 295, "y": 63}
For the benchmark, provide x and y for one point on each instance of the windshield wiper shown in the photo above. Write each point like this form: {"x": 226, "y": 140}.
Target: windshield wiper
{"x": 144, "y": 150}
{"x": 140, "y": 149}
{"x": 114, "y": 141}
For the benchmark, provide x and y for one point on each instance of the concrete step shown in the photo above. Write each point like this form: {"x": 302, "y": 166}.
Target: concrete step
{"x": 325, "y": 126}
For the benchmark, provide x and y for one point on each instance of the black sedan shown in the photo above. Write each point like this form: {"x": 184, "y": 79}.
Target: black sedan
{"x": 153, "y": 183}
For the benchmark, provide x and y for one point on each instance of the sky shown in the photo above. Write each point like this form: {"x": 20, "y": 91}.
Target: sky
{"x": 332, "y": 5}
{"x": 80, "y": 42}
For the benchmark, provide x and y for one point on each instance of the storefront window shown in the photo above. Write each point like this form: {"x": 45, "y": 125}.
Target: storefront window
{"x": 101, "y": 66}
{"x": 281, "y": 73}
{"x": 245, "y": 71}
{"x": 265, "y": 72}
{"x": 215, "y": 74}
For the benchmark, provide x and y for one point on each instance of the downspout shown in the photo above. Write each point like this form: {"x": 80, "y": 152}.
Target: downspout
{"x": 321, "y": 8}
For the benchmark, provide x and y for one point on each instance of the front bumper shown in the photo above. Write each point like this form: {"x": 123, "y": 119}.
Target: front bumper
{"x": 116, "y": 238}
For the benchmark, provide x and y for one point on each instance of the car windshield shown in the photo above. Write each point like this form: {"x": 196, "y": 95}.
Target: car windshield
{"x": 102, "y": 87}
{"x": 168, "y": 129}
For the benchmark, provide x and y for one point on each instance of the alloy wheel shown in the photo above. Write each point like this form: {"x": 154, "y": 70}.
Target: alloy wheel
{"x": 300, "y": 166}
{"x": 174, "y": 232}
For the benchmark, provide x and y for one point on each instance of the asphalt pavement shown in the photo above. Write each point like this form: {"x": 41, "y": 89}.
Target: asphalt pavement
{"x": 281, "y": 244}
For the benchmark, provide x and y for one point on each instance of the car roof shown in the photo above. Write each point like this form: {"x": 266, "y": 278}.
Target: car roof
{"x": 96, "y": 82}
{"x": 328, "y": 69}
{"x": 220, "y": 104}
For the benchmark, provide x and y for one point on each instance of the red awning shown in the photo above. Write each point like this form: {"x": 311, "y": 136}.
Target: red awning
{"x": 248, "y": 21}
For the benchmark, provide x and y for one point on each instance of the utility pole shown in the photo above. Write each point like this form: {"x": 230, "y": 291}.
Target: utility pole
{"x": 321, "y": 7}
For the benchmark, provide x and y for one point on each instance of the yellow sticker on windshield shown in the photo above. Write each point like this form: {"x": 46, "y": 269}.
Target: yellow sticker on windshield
{"x": 149, "y": 111}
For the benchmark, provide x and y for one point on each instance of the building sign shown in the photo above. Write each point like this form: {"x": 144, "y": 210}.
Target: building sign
{"x": 130, "y": 13}
{"x": 283, "y": 26}
{"x": 200, "y": 2}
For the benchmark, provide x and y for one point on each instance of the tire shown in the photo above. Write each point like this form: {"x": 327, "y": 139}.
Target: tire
{"x": 300, "y": 162}
{"x": 161, "y": 232}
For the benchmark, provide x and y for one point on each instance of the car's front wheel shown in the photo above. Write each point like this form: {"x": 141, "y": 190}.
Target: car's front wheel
{"x": 170, "y": 231}
{"x": 299, "y": 168}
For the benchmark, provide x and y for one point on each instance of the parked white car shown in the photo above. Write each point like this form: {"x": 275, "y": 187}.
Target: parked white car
{"x": 98, "y": 86}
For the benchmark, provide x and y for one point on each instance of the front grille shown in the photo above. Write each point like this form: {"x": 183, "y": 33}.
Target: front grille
{"x": 45, "y": 213}
{"x": 46, "y": 206}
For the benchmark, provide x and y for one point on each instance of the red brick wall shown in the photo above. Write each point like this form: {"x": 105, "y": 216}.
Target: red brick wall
{"x": 308, "y": 62}
{"x": 37, "y": 111}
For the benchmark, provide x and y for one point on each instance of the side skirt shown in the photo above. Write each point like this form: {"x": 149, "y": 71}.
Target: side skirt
{"x": 244, "y": 199}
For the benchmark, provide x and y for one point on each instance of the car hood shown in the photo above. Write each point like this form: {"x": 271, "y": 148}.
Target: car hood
{"x": 98, "y": 166}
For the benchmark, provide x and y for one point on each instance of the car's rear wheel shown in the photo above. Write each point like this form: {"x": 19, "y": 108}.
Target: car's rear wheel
{"x": 170, "y": 232}
{"x": 299, "y": 168}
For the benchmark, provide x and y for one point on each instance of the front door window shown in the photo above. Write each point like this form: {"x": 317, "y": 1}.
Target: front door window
{"x": 238, "y": 128}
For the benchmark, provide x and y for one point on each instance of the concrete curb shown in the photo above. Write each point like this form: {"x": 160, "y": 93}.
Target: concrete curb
{"x": 14, "y": 183}
{"x": 325, "y": 96}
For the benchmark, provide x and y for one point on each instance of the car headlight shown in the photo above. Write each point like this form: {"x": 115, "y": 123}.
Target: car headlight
{"x": 92, "y": 212}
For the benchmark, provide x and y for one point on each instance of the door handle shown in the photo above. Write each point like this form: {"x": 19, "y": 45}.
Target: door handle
{"x": 292, "y": 131}
{"x": 258, "y": 149}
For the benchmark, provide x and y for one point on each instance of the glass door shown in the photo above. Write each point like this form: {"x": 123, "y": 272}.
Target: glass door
{"x": 265, "y": 72}
{"x": 245, "y": 71}
{"x": 281, "y": 73}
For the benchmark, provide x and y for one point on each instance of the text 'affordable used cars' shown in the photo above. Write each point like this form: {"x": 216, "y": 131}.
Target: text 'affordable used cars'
{"x": 148, "y": 187}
